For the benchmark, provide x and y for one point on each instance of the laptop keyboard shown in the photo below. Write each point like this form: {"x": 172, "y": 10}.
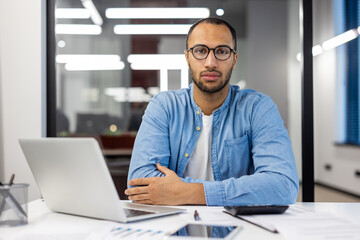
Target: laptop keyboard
{"x": 134, "y": 213}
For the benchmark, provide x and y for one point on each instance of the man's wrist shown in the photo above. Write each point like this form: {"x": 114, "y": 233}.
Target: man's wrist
{"x": 195, "y": 193}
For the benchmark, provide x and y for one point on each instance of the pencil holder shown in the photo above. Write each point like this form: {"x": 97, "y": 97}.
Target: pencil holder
{"x": 13, "y": 204}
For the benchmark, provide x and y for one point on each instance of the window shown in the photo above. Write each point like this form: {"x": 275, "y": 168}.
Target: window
{"x": 347, "y": 14}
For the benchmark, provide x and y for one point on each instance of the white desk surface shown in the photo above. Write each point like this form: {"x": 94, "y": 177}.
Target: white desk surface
{"x": 44, "y": 224}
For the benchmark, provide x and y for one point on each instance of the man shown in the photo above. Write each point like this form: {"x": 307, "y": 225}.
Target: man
{"x": 212, "y": 143}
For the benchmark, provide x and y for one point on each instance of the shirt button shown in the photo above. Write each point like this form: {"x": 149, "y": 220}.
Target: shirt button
{"x": 186, "y": 155}
{"x": 198, "y": 112}
{"x": 198, "y": 128}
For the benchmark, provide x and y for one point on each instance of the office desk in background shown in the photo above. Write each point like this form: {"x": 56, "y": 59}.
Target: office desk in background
{"x": 44, "y": 224}
{"x": 118, "y": 161}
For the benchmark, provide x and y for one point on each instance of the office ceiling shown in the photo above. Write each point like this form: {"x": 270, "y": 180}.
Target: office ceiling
{"x": 235, "y": 10}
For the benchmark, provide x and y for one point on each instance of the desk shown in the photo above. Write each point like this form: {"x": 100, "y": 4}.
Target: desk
{"x": 118, "y": 152}
{"x": 44, "y": 223}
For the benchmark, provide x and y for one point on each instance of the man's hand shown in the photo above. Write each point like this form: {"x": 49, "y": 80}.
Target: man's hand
{"x": 167, "y": 190}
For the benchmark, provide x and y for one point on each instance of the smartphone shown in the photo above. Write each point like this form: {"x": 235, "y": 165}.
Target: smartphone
{"x": 256, "y": 209}
{"x": 203, "y": 231}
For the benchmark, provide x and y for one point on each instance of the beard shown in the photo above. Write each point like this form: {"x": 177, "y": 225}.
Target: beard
{"x": 222, "y": 81}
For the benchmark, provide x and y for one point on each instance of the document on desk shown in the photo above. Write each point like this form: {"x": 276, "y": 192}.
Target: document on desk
{"x": 299, "y": 223}
{"x": 128, "y": 232}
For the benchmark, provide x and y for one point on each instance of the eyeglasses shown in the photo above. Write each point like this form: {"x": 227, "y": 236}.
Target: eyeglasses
{"x": 221, "y": 52}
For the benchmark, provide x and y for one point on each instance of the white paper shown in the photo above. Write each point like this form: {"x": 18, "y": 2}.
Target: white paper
{"x": 299, "y": 223}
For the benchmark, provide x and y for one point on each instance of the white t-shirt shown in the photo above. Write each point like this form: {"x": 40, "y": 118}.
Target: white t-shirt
{"x": 199, "y": 165}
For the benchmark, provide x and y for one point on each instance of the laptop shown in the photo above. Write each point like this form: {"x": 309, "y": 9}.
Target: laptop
{"x": 73, "y": 178}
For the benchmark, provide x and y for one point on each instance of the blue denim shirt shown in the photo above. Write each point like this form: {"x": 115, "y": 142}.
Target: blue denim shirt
{"x": 251, "y": 154}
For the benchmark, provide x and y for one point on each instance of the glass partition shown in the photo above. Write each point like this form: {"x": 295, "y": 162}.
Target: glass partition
{"x": 112, "y": 57}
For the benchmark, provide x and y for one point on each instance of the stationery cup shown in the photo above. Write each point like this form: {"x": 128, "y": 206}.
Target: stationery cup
{"x": 13, "y": 204}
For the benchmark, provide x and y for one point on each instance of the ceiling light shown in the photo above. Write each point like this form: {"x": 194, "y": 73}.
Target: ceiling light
{"x": 61, "y": 44}
{"x": 124, "y": 90}
{"x": 67, "y": 58}
{"x": 220, "y": 12}
{"x": 152, "y": 29}
{"x": 131, "y": 98}
{"x": 316, "y": 50}
{"x": 94, "y": 14}
{"x": 333, "y": 42}
{"x": 340, "y": 39}
{"x": 123, "y": 94}
{"x": 94, "y": 66}
{"x": 72, "y": 13}
{"x": 157, "y": 61}
{"x": 90, "y": 62}
{"x": 153, "y": 90}
{"x": 156, "y": 13}
{"x": 79, "y": 29}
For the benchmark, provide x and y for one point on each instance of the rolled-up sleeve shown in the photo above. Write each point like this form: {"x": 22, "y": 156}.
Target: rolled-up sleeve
{"x": 152, "y": 143}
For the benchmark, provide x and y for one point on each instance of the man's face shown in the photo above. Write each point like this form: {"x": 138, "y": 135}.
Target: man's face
{"x": 210, "y": 75}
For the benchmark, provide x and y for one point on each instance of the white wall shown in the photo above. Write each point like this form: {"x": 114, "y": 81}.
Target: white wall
{"x": 21, "y": 77}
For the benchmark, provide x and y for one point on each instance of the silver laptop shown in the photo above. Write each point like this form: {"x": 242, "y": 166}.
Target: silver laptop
{"x": 73, "y": 178}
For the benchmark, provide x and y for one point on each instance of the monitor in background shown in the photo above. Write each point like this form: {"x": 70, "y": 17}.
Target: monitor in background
{"x": 92, "y": 123}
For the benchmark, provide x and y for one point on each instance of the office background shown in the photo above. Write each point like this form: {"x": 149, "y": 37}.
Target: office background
{"x": 23, "y": 79}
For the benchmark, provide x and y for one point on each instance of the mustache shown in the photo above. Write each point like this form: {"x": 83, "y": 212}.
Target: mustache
{"x": 211, "y": 70}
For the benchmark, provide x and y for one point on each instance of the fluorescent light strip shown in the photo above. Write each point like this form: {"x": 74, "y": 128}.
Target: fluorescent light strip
{"x": 333, "y": 42}
{"x": 156, "y": 13}
{"x": 72, "y": 13}
{"x": 122, "y": 94}
{"x": 124, "y": 90}
{"x": 95, "y": 66}
{"x": 67, "y": 58}
{"x": 94, "y": 14}
{"x": 316, "y": 50}
{"x": 340, "y": 39}
{"x": 157, "y": 61}
{"x": 144, "y": 98}
{"x": 152, "y": 29}
{"x": 153, "y": 90}
{"x": 78, "y": 29}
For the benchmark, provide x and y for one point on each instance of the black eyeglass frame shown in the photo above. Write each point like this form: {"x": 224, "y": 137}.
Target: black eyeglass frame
{"x": 209, "y": 50}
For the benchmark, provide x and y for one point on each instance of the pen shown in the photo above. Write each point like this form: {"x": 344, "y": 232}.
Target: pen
{"x": 273, "y": 230}
{"x": 11, "y": 179}
{"x": 196, "y": 216}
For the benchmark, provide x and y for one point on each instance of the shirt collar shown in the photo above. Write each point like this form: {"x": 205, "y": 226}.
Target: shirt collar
{"x": 216, "y": 111}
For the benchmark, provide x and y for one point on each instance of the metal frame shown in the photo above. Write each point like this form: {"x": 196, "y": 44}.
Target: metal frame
{"x": 307, "y": 104}
{"x": 50, "y": 70}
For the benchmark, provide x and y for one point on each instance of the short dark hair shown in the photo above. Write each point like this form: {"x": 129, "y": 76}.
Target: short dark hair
{"x": 216, "y": 21}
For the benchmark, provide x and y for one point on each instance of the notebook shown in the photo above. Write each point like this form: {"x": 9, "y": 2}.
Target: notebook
{"x": 73, "y": 178}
